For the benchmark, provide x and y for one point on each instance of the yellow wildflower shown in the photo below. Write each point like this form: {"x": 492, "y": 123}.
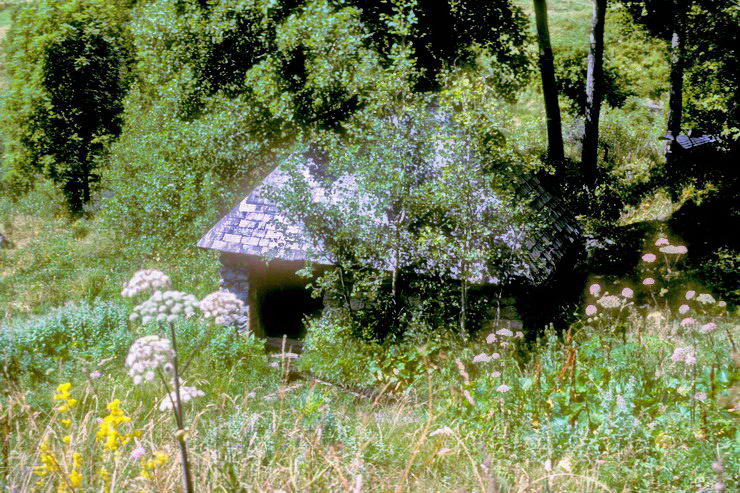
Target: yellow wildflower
{"x": 66, "y": 422}
{"x": 108, "y": 432}
{"x": 147, "y": 466}
{"x": 62, "y": 394}
{"x": 66, "y": 439}
{"x": 75, "y": 479}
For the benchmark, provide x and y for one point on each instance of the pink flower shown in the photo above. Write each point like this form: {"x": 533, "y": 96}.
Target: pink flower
{"x": 683, "y": 309}
{"x": 495, "y": 356}
{"x": 688, "y": 321}
{"x": 503, "y": 388}
{"x": 700, "y": 396}
{"x": 648, "y": 281}
{"x": 481, "y": 358}
{"x": 707, "y": 328}
{"x": 519, "y": 334}
{"x": 680, "y": 249}
{"x": 138, "y": 453}
{"x": 591, "y": 310}
{"x": 495, "y": 374}
{"x": 661, "y": 241}
{"x": 594, "y": 289}
{"x": 95, "y": 374}
{"x": 690, "y": 294}
{"x": 649, "y": 257}
{"x": 628, "y": 293}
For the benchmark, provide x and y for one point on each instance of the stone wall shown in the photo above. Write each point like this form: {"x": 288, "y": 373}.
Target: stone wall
{"x": 235, "y": 279}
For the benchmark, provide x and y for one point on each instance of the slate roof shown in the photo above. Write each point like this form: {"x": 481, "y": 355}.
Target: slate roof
{"x": 692, "y": 140}
{"x": 255, "y": 228}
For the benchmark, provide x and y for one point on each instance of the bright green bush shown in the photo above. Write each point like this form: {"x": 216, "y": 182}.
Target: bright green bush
{"x": 67, "y": 63}
{"x": 35, "y": 347}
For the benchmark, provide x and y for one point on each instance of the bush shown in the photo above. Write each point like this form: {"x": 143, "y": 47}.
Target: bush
{"x": 67, "y": 62}
{"x": 35, "y": 347}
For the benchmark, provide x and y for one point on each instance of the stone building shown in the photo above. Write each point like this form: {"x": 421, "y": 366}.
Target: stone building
{"x": 259, "y": 264}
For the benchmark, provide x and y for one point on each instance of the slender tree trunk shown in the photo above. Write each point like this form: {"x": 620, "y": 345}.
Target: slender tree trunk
{"x": 675, "y": 102}
{"x": 555, "y": 150}
{"x": 594, "y": 93}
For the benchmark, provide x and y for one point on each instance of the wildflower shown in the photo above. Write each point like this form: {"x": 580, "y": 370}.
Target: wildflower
{"x": 609, "y": 301}
{"x": 481, "y": 358}
{"x": 495, "y": 356}
{"x": 519, "y": 334}
{"x": 445, "y": 430}
{"x": 95, "y": 374}
{"x": 75, "y": 478}
{"x": 700, "y": 396}
{"x": 138, "y": 452}
{"x": 718, "y": 467}
{"x": 684, "y": 354}
{"x": 690, "y": 294}
{"x": 674, "y": 249}
{"x": 721, "y": 304}
{"x": 441, "y": 452}
{"x": 648, "y": 281}
{"x": 708, "y": 328}
{"x": 661, "y": 242}
{"x": 591, "y": 310}
{"x": 705, "y": 299}
{"x": 628, "y": 293}
{"x": 504, "y": 332}
{"x": 186, "y": 394}
{"x": 491, "y": 338}
{"x": 225, "y": 308}
{"x": 146, "y": 355}
{"x": 594, "y": 289}
{"x": 66, "y": 422}
{"x": 147, "y": 466}
{"x": 63, "y": 394}
{"x": 687, "y": 322}
{"x": 503, "y": 388}
{"x": 145, "y": 280}
{"x": 495, "y": 374}
{"x": 165, "y": 306}
{"x": 683, "y": 309}
{"x": 649, "y": 258}
{"x": 108, "y": 432}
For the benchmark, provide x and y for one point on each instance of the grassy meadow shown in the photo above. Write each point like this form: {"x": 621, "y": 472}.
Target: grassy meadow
{"x": 639, "y": 393}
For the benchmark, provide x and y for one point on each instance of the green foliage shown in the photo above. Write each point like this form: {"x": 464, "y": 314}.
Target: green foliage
{"x": 67, "y": 62}
{"x": 36, "y": 348}
{"x": 711, "y": 86}
{"x": 423, "y": 194}
{"x": 570, "y": 73}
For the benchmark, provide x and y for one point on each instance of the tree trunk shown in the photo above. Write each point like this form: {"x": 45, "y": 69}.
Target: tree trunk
{"x": 555, "y": 150}
{"x": 594, "y": 93}
{"x": 675, "y": 102}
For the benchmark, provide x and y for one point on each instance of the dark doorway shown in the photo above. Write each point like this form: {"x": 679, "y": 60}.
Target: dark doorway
{"x": 283, "y": 308}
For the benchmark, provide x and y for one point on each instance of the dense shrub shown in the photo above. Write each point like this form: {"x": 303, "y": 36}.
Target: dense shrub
{"x": 67, "y": 62}
{"x": 34, "y": 347}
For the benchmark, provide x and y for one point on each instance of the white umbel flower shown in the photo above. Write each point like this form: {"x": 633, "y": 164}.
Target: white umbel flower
{"x": 186, "y": 394}
{"x": 225, "y": 308}
{"x": 145, "y": 280}
{"x": 146, "y": 355}
{"x": 706, "y": 299}
{"x": 165, "y": 306}
{"x": 609, "y": 301}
